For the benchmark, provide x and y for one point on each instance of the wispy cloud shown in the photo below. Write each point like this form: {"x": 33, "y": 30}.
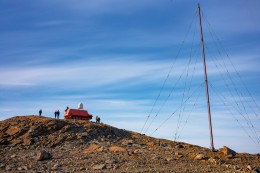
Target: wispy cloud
{"x": 97, "y": 73}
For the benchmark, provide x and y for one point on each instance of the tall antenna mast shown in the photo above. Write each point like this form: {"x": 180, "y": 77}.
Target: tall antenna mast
{"x": 206, "y": 80}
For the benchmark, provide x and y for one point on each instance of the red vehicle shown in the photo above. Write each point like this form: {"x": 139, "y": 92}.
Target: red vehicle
{"x": 78, "y": 114}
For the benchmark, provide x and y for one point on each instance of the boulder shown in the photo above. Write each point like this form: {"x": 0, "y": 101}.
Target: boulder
{"x": 212, "y": 160}
{"x": 227, "y": 151}
{"x": 200, "y": 157}
{"x": 13, "y": 130}
{"x": 43, "y": 155}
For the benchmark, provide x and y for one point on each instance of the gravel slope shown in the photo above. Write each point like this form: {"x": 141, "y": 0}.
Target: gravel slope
{"x": 39, "y": 144}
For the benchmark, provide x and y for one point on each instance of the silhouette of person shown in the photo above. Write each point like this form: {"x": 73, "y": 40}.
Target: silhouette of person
{"x": 55, "y": 114}
{"x": 58, "y": 114}
{"x": 40, "y": 112}
{"x": 97, "y": 119}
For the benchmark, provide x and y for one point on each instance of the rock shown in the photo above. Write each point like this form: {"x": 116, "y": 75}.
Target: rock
{"x": 2, "y": 165}
{"x": 138, "y": 151}
{"x": 179, "y": 155}
{"x": 200, "y": 157}
{"x": 168, "y": 152}
{"x": 212, "y": 160}
{"x": 130, "y": 153}
{"x": 109, "y": 136}
{"x": 115, "y": 167}
{"x": 14, "y": 155}
{"x": 150, "y": 144}
{"x": 136, "y": 145}
{"x": 163, "y": 144}
{"x": 249, "y": 167}
{"x": 27, "y": 141}
{"x": 108, "y": 166}
{"x": 192, "y": 155}
{"x": 84, "y": 134}
{"x": 82, "y": 169}
{"x": 235, "y": 167}
{"x": 128, "y": 142}
{"x": 56, "y": 166}
{"x": 179, "y": 146}
{"x": 228, "y": 165}
{"x": 230, "y": 156}
{"x": 92, "y": 148}
{"x": 100, "y": 149}
{"x": 24, "y": 167}
{"x": 9, "y": 167}
{"x": 110, "y": 161}
{"x": 13, "y": 130}
{"x": 43, "y": 155}
{"x": 116, "y": 148}
{"x": 156, "y": 157}
{"x": 227, "y": 151}
{"x": 169, "y": 159}
{"x": 79, "y": 136}
{"x": 256, "y": 170}
{"x": 99, "y": 167}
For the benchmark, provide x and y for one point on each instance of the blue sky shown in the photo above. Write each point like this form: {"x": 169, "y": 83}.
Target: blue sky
{"x": 113, "y": 56}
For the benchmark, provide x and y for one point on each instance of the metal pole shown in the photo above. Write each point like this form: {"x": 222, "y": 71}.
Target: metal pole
{"x": 206, "y": 81}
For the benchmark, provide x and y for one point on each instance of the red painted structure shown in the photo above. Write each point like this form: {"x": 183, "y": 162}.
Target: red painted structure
{"x": 79, "y": 114}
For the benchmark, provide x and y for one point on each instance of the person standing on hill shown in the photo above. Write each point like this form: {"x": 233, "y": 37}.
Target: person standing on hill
{"x": 97, "y": 119}
{"x": 55, "y": 114}
{"x": 40, "y": 112}
{"x": 58, "y": 114}
{"x": 66, "y": 109}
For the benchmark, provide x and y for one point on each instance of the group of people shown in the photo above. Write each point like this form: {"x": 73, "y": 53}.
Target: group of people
{"x": 57, "y": 114}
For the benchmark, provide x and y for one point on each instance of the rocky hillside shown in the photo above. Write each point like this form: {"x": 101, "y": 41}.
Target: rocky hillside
{"x": 39, "y": 144}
